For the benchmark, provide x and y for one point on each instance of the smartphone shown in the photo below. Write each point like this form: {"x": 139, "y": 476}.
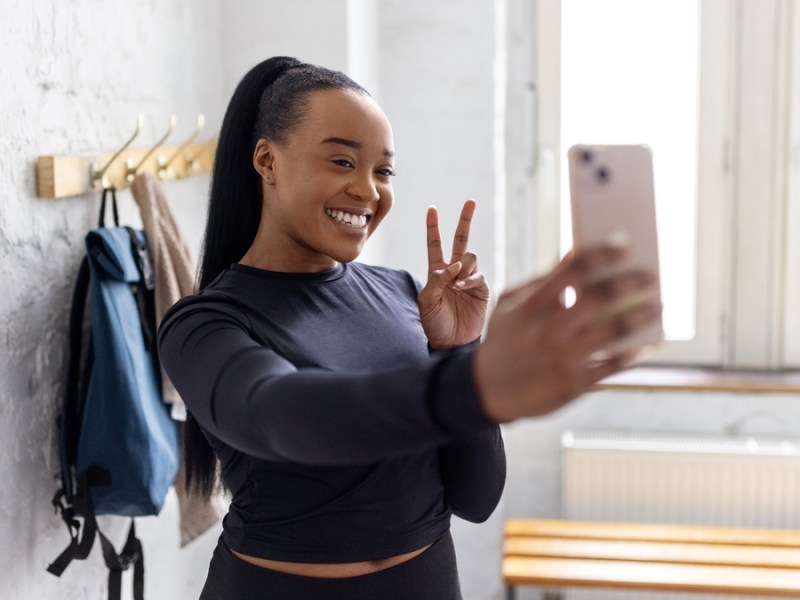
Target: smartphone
{"x": 613, "y": 200}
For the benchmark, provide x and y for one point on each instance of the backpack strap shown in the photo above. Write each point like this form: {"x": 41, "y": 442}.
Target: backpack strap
{"x": 69, "y": 421}
{"x": 101, "y": 221}
{"x": 144, "y": 290}
{"x": 68, "y": 427}
{"x": 78, "y": 549}
{"x": 131, "y": 554}
{"x": 117, "y": 563}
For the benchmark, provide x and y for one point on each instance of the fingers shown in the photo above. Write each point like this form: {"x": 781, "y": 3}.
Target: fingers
{"x": 469, "y": 265}
{"x": 607, "y": 367}
{"x": 606, "y": 300}
{"x": 441, "y": 278}
{"x": 573, "y": 270}
{"x": 461, "y": 237}
{"x": 604, "y": 313}
{"x": 475, "y": 281}
{"x": 601, "y": 335}
{"x": 434, "y": 240}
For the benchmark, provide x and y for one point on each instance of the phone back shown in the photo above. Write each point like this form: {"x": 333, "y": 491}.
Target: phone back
{"x": 613, "y": 200}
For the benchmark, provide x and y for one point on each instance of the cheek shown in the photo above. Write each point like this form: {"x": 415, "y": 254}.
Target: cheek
{"x": 383, "y": 208}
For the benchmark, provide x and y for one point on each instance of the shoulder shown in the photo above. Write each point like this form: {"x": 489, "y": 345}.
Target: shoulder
{"x": 207, "y": 304}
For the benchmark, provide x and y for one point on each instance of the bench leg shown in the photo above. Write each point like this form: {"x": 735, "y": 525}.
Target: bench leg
{"x": 511, "y": 594}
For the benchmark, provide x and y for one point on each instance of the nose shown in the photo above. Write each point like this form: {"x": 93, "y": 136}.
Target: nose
{"x": 363, "y": 187}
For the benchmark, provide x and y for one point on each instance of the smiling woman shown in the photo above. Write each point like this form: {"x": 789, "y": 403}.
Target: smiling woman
{"x": 352, "y": 409}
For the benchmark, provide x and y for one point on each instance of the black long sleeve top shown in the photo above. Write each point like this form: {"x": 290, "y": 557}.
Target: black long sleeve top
{"x": 341, "y": 437}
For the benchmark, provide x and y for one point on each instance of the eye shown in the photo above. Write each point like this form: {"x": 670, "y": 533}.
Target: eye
{"x": 343, "y": 162}
{"x": 385, "y": 172}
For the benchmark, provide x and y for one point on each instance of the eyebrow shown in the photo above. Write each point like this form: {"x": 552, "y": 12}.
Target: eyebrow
{"x": 351, "y": 144}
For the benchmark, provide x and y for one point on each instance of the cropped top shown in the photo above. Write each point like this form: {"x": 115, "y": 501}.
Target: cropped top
{"x": 340, "y": 436}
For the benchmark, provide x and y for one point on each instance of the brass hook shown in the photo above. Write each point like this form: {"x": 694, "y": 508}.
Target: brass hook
{"x": 193, "y": 162}
{"x": 97, "y": 174}
{"x": 164, "y": 170}
{"x": 133, "y": 168}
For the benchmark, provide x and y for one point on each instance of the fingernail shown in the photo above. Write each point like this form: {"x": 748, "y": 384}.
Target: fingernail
{"x": 461, "y": 283}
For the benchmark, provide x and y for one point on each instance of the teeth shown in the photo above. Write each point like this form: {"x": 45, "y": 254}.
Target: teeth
{"x": 347, "y": 218}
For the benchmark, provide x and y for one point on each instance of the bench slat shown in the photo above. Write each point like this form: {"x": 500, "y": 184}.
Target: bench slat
{"x": 710, "y": 554}
{"x": 650, "y": 532}
{"x": 651, "y": 576}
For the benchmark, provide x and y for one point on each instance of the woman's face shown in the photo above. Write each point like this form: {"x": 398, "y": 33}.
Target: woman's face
{"x": 328, "y": 186}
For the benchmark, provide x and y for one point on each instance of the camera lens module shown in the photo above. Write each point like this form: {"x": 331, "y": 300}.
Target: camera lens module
{"x": 603, "y": 174}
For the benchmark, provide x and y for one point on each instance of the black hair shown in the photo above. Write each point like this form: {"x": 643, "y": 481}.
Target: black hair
{"x": 269, "y": 102}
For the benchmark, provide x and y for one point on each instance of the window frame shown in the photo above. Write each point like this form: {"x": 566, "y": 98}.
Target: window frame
{"x": 739, "y": 325}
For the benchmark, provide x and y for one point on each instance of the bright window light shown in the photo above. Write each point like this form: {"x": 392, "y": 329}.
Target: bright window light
{"x": 629, "y": 75}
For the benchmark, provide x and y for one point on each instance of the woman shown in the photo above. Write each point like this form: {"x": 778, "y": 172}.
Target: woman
{"x": 351, "y": 409}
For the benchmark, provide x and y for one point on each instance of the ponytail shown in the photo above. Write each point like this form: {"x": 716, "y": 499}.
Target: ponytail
{"x": 234, "y": 208}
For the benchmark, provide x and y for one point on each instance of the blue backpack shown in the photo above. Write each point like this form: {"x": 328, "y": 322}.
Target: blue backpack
{"x": 118, "y": 443}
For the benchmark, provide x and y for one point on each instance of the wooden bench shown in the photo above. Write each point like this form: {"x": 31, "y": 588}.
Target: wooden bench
{"x": 714, "y": 560}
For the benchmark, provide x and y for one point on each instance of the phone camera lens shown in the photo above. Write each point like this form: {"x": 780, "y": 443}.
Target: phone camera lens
{"x": 603, "y": 174}
{"x": 586, "y": 156}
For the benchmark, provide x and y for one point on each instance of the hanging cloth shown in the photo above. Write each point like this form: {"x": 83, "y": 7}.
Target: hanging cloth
{"x": 174, "y": 278}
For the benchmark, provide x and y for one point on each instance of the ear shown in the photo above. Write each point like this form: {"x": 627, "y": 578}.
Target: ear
{"x": 264, "y": 159}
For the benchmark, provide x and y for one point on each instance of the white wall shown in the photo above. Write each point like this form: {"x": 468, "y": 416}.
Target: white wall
{"x": 314, "y": 31}
{"x": 75, "y": 74}
{"x": 437, "y": 88}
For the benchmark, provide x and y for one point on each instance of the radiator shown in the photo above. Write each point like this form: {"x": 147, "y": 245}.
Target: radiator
{"x": 679, "y": 478}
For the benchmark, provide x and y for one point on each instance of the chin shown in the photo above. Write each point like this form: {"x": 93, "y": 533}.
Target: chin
{"x": 346, "y": 256}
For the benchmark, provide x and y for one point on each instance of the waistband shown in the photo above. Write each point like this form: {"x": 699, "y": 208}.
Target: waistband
{"x": 433, "y": 575}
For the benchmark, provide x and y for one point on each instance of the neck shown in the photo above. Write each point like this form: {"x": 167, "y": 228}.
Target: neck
{"x": 263, "y": 254}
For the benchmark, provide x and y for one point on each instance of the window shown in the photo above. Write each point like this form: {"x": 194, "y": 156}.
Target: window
{"x": 708, "y": 84}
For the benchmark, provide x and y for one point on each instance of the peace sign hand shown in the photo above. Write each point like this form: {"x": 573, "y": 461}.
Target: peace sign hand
{"x": 452, "y": 305}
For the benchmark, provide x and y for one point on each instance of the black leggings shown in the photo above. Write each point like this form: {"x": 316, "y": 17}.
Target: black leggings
{"x": 430, "y": 576}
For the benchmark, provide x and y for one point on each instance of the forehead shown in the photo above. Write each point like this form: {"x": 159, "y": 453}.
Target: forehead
{"x": 346, "y": 114}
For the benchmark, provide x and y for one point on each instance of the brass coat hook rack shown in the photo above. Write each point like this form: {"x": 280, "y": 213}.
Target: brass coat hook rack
{"x": 61, "y": 176}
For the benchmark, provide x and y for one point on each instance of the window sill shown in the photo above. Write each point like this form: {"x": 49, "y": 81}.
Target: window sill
{"x": 708, "y": 380}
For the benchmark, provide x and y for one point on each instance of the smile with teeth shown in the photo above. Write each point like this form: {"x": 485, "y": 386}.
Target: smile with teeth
{"x": 346, "y": 218}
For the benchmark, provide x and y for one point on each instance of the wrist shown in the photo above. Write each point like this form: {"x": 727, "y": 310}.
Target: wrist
{"x": 495, "y": 410}
{"x": 466, "y": 345}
